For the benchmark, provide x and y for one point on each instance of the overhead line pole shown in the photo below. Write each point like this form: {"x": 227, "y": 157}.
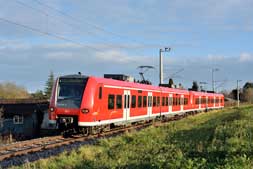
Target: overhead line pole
{"x": 238, "y": 93}
{"x": 166, "y": 49}
{"x": 213, "y": 82}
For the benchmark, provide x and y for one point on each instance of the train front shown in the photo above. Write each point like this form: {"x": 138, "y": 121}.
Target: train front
{"x": 66, "y": 100}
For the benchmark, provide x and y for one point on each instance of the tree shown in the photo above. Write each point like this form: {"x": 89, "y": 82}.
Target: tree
{"x": 9, "y": 90}
{"x": 233, "y": 94}
{"x": 247, "y": 94}
{"x": 248, "y": 85}
{"x": 38, "y": 95}
{"x": 49, "y": 85}
{"x": 171, "y": 83}
{"x": 195, "y": 86}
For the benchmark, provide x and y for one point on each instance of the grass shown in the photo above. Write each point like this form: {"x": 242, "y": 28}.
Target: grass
{"x": 217, "y": 139}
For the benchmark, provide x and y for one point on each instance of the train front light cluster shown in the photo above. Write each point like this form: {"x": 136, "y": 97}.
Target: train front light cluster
{"x": 51, "y": 109}
{"x": 85, "y": 111}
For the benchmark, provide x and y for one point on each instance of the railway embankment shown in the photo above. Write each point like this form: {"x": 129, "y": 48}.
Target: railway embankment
{"x": 216, "y": 139}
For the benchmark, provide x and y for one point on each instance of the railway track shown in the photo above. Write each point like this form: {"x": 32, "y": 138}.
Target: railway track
{"x": 46, "y": 143}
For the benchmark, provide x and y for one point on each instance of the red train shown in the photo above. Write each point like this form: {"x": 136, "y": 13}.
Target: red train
{"x": 88, "y": 103}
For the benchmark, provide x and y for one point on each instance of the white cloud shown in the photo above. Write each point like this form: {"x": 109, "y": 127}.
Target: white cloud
{"x": 215, "y": 57}
{"x": 59, "y": 55}
{"x": 114, "y": 56}
{"x": 246, "y": 57}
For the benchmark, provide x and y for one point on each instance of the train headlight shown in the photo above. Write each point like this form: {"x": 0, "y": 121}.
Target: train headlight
{"x": 51, "y": 109}
{"x": 85, "y": 111}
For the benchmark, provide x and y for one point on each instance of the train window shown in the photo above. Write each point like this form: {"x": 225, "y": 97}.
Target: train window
{"x": 111, "y": 99}
{"x": 144, "y": 101}
{"x": 185, "y": 101}
{"x": 119, "y": 102}
{"x": 166, "y": 101}
{"x": 181, "y": 101}
{"x": 133, "y": 104}
{"x": 197, "y": 101}
{"x": 154, "y": 101}
{"x": 139, "y": 101}
{"x": 149, "y": 101}
{"x": 174, "y": 101}
{"x": 158, "y": 101}
{"x": 171, "y": 101}
{"x": 100, "y": 93}
{"x": 125, "y": 101}
{"x": 163, "y": 101}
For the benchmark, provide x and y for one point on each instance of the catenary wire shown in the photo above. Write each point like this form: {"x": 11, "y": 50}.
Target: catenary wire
{"x": 48, "y": 34}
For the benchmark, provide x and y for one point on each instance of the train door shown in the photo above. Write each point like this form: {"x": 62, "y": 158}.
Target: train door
{"x": 149, "y": 103}
{"x": 206, "y": 102}
{"x": 126, "y": 113}
{"x": 170, "y": 102}
{"x": 182, "y": 103}
{"x": 191, "y": 101}
{"x": 200, "y": 102}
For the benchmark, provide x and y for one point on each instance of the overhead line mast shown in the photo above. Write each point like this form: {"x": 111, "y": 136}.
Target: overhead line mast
{"x": 166, "y": 49}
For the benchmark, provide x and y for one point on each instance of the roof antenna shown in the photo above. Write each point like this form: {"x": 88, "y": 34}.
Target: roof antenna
{"x": 79, "y": 73}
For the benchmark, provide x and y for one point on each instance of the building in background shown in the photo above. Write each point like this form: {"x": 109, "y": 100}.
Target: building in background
{"x": 22, "y": 119}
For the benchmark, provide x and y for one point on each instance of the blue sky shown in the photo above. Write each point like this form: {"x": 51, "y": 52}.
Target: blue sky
{"x": 122, "y": 35}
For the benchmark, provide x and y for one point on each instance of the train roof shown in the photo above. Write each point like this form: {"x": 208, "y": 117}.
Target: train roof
{"x": 74, "y": 76}
{"x": 205, "y": 93}
{"x": 112, "y": 82}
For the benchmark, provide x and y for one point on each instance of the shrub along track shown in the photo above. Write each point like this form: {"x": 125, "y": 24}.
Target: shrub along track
{"x": 26, "y": 149}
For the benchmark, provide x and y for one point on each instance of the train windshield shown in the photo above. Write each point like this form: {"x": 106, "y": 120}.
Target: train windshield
{"x": 70, "y": 92}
